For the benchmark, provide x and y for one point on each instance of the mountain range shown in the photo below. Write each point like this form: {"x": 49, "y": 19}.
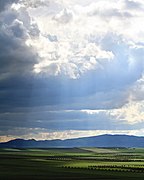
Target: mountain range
{"x": 94, "y": 141}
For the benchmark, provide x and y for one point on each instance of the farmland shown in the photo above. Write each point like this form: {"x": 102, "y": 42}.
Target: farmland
{"x": 72, "y": 163}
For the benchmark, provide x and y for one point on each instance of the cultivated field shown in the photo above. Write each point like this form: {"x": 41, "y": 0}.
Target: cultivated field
{"x": 73, "y": 163}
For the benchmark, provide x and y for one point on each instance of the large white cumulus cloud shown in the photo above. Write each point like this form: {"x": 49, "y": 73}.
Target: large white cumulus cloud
{"x": 73, "y": 38}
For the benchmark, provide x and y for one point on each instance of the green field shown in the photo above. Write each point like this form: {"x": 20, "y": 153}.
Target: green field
{"x": 73, "y": 163}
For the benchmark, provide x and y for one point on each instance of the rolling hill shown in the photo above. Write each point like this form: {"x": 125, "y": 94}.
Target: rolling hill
{"x": 94, "y": 141}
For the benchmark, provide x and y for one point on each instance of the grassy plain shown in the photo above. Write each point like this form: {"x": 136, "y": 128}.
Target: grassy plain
{"x": 72, "y": 163}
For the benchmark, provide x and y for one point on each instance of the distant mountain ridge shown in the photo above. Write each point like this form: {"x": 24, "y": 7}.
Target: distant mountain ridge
{"x": 93, "y": 141}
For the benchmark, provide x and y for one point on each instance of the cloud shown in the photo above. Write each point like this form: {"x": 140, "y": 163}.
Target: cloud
{"x": 4, "y": 4}
{"x": 75, "y": 47}
{"x": 127, "y": 117}
{"x": 132, "y": 112}
{"x": 34, "y": 3}
{"x": 78, "y": 64}
{"x": 133, "y": 4}
{"x": 15, "y": 56}
{"x": 79, "y": 54}
{"x": 64, "y": 17}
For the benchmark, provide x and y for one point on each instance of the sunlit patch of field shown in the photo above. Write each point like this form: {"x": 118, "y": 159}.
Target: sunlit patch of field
{"x": 72, "y": 163}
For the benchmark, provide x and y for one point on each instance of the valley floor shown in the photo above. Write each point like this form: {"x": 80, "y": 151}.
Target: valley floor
{"x": 72, "y": 163}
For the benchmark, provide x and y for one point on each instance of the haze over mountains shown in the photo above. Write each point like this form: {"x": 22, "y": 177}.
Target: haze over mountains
{"x": 94, "y": 141}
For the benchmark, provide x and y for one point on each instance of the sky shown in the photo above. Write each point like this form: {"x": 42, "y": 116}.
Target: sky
{"x": 71, "y": 68}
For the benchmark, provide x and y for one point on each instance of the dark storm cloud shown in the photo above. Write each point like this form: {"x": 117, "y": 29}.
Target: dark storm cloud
{"x": 16, "y": 59}
{"x": 63, "y": 120}
{"x": 15, "y": 56}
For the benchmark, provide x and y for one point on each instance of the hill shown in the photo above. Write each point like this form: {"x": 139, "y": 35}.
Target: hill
{"x": 94, "y": 141}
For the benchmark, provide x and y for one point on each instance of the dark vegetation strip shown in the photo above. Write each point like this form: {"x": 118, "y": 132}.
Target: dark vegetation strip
{"x": 109, "y": 168}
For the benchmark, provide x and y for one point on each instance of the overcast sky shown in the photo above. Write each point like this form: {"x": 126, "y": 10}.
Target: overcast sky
{"x": 71, "y": 68}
